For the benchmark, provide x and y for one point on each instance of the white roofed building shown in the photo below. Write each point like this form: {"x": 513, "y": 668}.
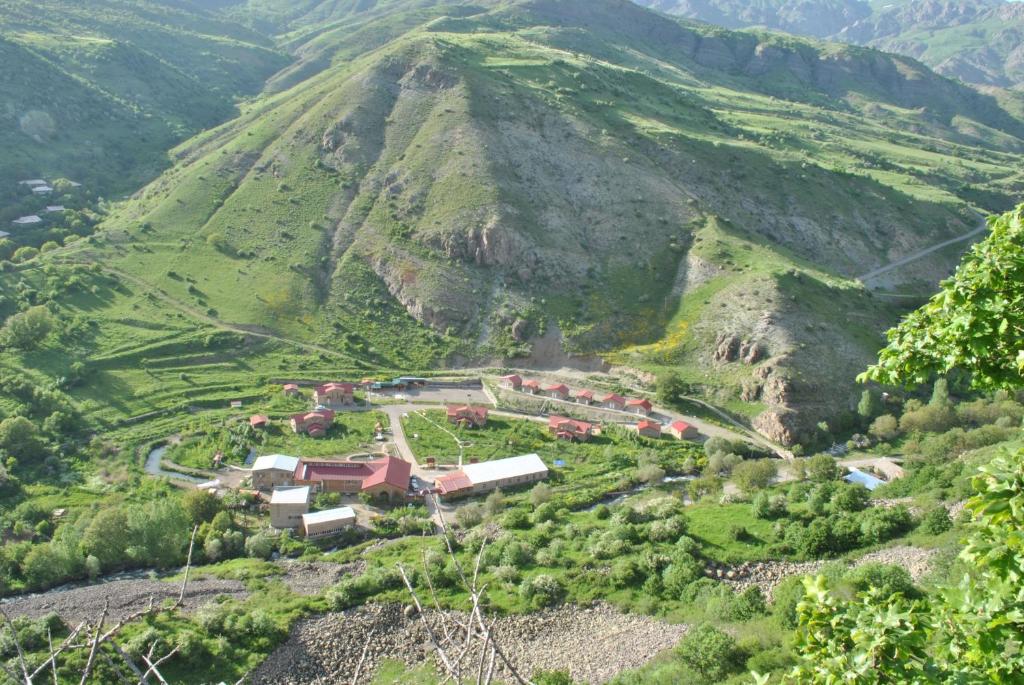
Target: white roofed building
{"x": 491, "y": 475}
{"x": 320, "y": 524}
{"x": 54, "y": 208}
{"x": 28, "y": 220}
{"x": 287, "y": 505}
{"x": 42, "y": 190}
{"x": 273, "y": 470}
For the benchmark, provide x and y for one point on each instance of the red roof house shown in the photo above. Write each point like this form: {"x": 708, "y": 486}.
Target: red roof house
{"x": 313, "y": 423}
{"x": 512, "y": 382}
{"x": 642, "y": 407}
{"x": 453, "y": 484}
{"x": 570, "y": 429}
{"x": 683, "y": 431}
{"x": 585, "y": 397}
{"x": 258, "y": 421}
{"x": 467, "y": 416}
{"x": 613, "y": 401}
{"x": 648, "y": 428}
{"x": 334, "y": 393}
{"x": 558, "y": 391}
{"x": 290, "y": 389}
{"x": 386, "y": 476}
{"x": 532, "y": 387}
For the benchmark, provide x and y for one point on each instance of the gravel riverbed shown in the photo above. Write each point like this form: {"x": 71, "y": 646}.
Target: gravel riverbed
{"x": 594, "y": 643}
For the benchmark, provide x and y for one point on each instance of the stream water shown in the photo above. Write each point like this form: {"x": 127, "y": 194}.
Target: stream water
{"x": 153, "y": 467}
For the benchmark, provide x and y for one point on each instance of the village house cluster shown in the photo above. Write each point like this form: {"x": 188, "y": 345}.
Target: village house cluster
{"x": 40, "y": 187}
{"x": 581, "y": 431}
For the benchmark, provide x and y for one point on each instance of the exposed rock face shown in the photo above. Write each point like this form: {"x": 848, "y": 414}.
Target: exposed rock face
{"x": 592, "y": 643}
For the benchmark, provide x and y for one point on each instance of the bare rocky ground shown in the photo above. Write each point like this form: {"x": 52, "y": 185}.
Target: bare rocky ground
{"x": 125, "y": 596}
{"x": 767, "y": 575}
{"x": 131, "y": 592}
{"x": 593, "y": 643}
{"x": 312, "y": 577}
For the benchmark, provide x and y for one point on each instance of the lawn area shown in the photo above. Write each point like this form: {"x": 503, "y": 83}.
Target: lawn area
{"x": 430, "y": 435}
{"x": 712, "y": 524}
{"x": 351, "y": 432}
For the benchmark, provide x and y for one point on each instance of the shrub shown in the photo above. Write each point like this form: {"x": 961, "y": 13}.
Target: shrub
{"x": 886, "y": 578}
{"x": 767, "y": 507}
{"x": 822, "y": 468}
{"x": 516, "y": 519}
{"x": 540, "y": 494}
{"x": 753, "y": 475}
{"x": 626, "y": 573}
{"x": 710, "y": 652}
{"x": 259, "y": 546}
{"x": 884, "y": 428}
{"x": 936, "y": 521}
{"x": 879, "y": 525}
{"x": 541, "y": 591}
{"x": 850, "y": 498}
{"x": 469, "y": 515}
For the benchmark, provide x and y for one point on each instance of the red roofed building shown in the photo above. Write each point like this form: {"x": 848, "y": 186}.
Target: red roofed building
{"x": 683, "y": 431}
{"x": 641, "y": 407}
{"x": 585, "y": 397}
{"x": 557, "y": 391}
{"x": 453, "y": 484}
{"x": 649, "y": 429}
{"x": 334, "y": 393}
{"x": 570, "y": 429}
{"x": 467, "y": 416}
{"x": 290, "y": 389}
{"x": 613, "y": 401}
{"x": 512, "y": 382}
{"x": 382, "y": 477}
{"x": 313, "y": 423}
{"x": 532, "y": 387}
{"x": 258, "y": 421}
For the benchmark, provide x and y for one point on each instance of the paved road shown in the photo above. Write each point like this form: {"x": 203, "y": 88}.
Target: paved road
{"x": 921, "y": 253}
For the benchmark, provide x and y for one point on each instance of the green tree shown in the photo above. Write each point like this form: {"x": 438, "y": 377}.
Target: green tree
{"x": 822, "y": 468}
{"x": 940, "y": 393}
{"x": 20, "y": 438}
{"x": 711, "y": 652}
{"x": 754, "y": 474}
{"x": 885, "y": 427}
{"x": 27, "y": 329}
{"x": 870, "y": 405}
{"x": 669, "y": 388}
{"x": 201, "y": 505}
{"x": 107, "y": 537}
{"x": 975, "y": 323}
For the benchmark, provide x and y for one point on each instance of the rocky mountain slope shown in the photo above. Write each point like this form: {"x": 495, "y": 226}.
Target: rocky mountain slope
{"x": 977, "y": 41}
{"x": 667, "y": 196}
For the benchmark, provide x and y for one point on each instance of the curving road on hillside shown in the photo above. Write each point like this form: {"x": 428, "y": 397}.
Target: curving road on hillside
{"x": 913, "y": 257}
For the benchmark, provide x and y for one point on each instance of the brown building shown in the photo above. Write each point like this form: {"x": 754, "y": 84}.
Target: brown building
{"x": 683, "y": 431}
{"x": 335, "y": 394}
{"x": 569, "y": 429}
{"x": 649, "y": 429}
{"x": 313, "y": 423}
{"x": 512, "y": 382}
{"x": 467, "y": 416}
{"x": 287, "y": 505}
{"x": 272, "y": 470}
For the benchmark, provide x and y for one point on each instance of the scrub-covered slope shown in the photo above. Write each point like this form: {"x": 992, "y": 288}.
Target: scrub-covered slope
{"x": 588, "y": 168}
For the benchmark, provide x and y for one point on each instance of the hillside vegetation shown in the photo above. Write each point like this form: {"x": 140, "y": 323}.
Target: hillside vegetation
{"x": 588, "y": 168}
{"x": 978, "y": 41}
{"x": 98, "y": 92}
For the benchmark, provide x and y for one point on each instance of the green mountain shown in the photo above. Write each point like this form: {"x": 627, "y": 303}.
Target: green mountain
{"x": 98, "y": 92}
{"x": 976, "y": 41}
{"x": 540, "y": 178}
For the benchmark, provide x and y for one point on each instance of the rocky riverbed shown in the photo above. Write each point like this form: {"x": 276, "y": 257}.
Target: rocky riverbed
{"x": 125, "y": 596}
{"x": 592, "y": 643}
{"x": 767, "y": 575}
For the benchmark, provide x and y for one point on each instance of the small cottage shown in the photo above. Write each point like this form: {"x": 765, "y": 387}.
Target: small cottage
{"x": 558, "y": 391}
{"x": 641, "y": 407}
{"x": 681, "y": 430}
{"x": 314, "y": 423}
{"x": 648, "y": 429}
{"x": 613, "y": 401}
{"x": 466, "y": 416}
{"x": 334, "y": 394}
{"x": 512, "y": 382}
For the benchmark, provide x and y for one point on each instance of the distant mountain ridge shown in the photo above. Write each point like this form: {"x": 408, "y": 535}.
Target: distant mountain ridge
{"x": 977, "y": 41}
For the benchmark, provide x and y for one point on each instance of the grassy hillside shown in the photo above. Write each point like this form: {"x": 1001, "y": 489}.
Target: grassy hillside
{"x": 978, "y": 42}
{"x": 98, "y": 92}
{"x": 648, "y": 191}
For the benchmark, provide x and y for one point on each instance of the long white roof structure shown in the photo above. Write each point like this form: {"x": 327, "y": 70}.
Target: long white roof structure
{"x": 337, "y": 514}
{"x": 500, "y": 469}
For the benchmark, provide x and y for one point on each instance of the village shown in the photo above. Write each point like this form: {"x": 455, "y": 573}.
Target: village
{"x": 393, "y": 471}
{"x": 393, "y": 468}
